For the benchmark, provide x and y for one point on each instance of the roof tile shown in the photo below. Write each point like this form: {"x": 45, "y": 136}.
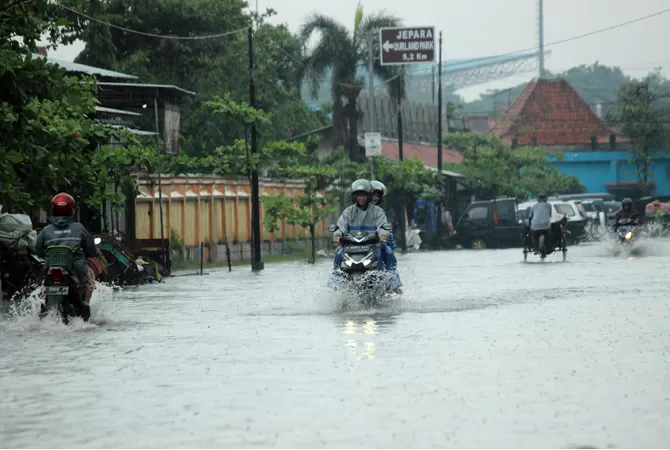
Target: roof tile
{"x": 553, "y": 112}
{"x": 426, "y": 153}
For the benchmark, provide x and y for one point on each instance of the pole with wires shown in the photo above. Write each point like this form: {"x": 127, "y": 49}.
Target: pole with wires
{"x": 438, "y": 229}
{"x": 256, "y": 263}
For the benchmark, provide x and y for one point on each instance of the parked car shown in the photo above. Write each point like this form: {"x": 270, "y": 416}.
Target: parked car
{"x": 604, "y": 196}
{"x": 490, "y": 224}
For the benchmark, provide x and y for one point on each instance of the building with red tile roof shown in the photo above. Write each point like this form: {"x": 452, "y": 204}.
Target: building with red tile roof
{"x": 550, "y": 113}
{"x": 425, "y": 152}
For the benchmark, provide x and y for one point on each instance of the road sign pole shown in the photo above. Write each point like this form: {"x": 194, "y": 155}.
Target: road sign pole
{"x": 371, "y": 87}
{"x": 439, "y": 143}
{"x": 371, "y": 84}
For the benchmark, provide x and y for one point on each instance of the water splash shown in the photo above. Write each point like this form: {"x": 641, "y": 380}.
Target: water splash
{"x": 22, "y": 314}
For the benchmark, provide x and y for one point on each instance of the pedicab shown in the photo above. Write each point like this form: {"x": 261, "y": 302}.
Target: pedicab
{"x": 547, "y": 243}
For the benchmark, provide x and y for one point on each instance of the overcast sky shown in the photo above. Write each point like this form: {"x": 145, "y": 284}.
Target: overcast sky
{"x": 477, "y": 28}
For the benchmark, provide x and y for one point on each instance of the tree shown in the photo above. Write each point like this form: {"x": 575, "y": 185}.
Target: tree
{"x": 210, "y": 67}
{"x": 637, "y": 116}
{"x": 306, "y": 210}
{"x": 49, "y": 139}
{"x": 406, "y": 181}
{"x": 496, "y": 170}
{"x": 343, "y": 53}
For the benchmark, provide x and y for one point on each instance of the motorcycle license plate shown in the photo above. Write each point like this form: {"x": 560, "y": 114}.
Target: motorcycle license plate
{"x": 57, "y": 290}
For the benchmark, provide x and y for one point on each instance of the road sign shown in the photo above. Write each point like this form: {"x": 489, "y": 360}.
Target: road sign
{"x": 407, "y": 45}
{"x": 373, "y": 144}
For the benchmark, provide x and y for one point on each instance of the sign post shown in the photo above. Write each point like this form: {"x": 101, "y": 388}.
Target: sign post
{"x": 406, "y": 45}
{"x": 373, "y": 149}
{"x": 401, "y": 46}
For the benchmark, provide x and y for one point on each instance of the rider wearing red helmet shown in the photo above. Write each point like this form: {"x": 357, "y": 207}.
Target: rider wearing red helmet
{"x": 64, "y": 230}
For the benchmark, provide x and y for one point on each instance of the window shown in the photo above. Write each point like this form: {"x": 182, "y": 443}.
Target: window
{"x": 478, "y": 212}
{"x": 564, "y": 208}
{"x": 506, "y": 211}
{"x": 588, "y": 207}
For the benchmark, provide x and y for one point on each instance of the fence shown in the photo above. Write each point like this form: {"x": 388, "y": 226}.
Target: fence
{"x": 214, "y": 209}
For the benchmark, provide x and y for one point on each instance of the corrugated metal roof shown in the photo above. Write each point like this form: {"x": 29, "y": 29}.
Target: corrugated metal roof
{"x": 116, "y": 111}
{"x": 71, "y": 66}
{"x": 136, "y": 132}
{"x": 156, "y": 86}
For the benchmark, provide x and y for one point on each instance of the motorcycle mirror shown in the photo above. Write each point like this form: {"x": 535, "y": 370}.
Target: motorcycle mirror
{"x": 387, "y": 227}
{"x": 97, "y": 241}
{"x": 332, "y": 228}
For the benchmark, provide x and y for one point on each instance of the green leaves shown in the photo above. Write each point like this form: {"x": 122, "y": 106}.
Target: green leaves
{"x": 496, "y": 170}
{"x": 639, "y": 115}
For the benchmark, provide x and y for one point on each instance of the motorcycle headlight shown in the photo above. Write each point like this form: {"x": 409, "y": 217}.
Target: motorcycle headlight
{"x": 629, "y": 235}
{"x": 366, "y": 260}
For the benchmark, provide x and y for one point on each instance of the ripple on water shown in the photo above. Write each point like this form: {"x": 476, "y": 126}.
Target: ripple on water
{"x": 480, "y": 351}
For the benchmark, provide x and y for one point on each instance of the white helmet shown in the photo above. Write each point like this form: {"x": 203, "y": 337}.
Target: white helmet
{"x": 379, "y": 186}
{"x": 361, "y": 185}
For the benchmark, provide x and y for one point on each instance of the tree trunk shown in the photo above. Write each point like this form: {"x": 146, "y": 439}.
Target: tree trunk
{"x": 340, "y": 131}
{"x": 355, "y": 153}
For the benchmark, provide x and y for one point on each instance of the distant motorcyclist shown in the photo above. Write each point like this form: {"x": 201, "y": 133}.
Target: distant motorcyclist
{"x": 627, "y": 212}
{"x": 540, "y": 218}
{"x": 64, "y": 230}
{"x": 361, "y": 216}
{"x": 389, "y": 259}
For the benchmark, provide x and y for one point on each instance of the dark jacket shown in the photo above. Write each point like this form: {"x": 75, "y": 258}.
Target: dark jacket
{"x": 626, "y": 214}
{"x": 65, "y": 231}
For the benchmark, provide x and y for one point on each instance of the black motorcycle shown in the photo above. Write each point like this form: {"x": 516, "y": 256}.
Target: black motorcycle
{"x": 62, "y": 288}
{"x": 360, "y": 264}
{"x": 627, "y": 230}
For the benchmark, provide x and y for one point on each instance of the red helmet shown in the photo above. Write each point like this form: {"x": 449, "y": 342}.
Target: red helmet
{"x": 63, "y": 205}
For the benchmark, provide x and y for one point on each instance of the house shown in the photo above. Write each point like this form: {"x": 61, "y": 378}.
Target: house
{"x": 551, "y": 114}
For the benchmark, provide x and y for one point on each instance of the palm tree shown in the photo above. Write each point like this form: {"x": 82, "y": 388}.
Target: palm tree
{"x": 343, "y": 52}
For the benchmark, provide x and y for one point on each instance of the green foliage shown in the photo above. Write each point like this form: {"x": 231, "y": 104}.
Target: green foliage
{"x": 341, "y": 52}
{"x": 496, "y": 170}
{"x": 638, "y": 115}
{"x": 210, "y": 67}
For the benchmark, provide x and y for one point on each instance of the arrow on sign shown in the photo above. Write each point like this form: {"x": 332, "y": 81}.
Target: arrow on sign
{"x": 387, "y": 46}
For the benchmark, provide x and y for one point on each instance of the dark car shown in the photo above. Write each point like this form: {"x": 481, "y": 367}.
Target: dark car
{"x": 490, "y": 224}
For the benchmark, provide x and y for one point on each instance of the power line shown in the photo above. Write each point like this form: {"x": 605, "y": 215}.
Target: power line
{"x": 159, "y": 36}
{"x": 570, "y": 39}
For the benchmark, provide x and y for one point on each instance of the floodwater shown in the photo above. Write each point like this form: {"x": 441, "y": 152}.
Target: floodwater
{"x": 481, "y": 351}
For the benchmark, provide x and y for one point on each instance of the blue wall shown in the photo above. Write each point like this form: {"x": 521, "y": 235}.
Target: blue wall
{"x": 595, "y": 169}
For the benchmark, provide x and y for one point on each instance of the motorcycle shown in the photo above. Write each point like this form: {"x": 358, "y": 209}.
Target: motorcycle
{"x": 361, "y": 266}
{"x": 62, "y": 286}
{"x": 627, "y": 230}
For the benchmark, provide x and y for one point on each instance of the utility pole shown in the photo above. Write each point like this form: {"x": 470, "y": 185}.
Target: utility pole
{"x": 160, "y": 183}
{"x": 371, "y": 88}
{"x": 401, "y": 84}
{"x": 439, "y": 143}
{"x": 401, "y": 77}
{"x": 540, "y": 29}
{"x": 256, "y": 263}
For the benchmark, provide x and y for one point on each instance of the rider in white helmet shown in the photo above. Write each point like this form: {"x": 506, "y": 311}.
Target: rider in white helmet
{"x": 361, "y": 216}
{"x": 389, "y": 259}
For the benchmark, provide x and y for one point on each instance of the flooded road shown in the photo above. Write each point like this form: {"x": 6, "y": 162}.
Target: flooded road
{"x": 481, "y": 351}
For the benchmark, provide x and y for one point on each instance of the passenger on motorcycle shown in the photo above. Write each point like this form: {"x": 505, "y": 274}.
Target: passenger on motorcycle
{"x": 361, "y": 216}
{"x": 64, "y": 230}
{"x": 626, "y": 212}
{"x": 389, "y": 259}
{"x": 540, "y": 218}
